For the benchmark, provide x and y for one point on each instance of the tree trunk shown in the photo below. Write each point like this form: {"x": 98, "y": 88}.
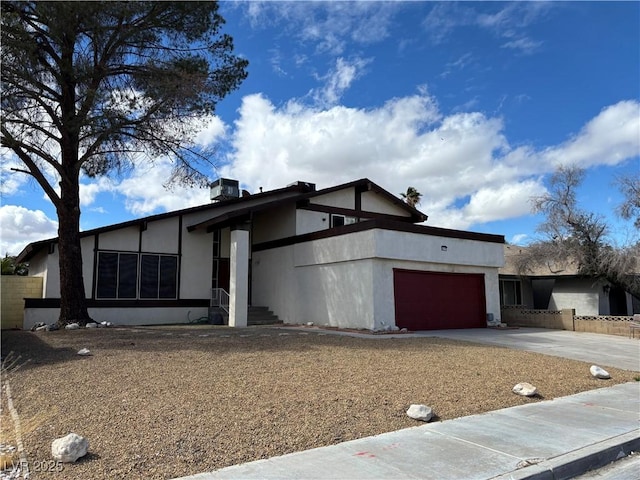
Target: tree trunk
{"x": 73, "y": 304}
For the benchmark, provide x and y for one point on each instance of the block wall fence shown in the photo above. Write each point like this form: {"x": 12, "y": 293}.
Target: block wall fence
{"x": 13, "y": 290}
{"x": 566, "y": 319}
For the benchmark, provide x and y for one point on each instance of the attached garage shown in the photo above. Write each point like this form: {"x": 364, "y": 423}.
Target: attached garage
{"x": 436, "y": 300}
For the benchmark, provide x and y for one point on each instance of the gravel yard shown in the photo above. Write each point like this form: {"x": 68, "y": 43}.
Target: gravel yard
{"x": 164, "y": 402}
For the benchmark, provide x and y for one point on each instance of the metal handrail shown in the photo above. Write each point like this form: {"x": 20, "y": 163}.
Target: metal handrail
{"x": 220, "y": 298}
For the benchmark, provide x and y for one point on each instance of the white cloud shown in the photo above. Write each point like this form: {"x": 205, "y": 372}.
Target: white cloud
{"x": 510, "y": 200}
{"x": 459, "y": 64}
{"x": 339, "y": 79}
{"x": 89, "y": 191}
{"x": 212, "y": 130}
{"x": 10, "y": 180}
{"x": 524, "y": 45}
{"x": 145, "y": 193}
{"x": 462, "y": 163}
{"x": 21, "y": 226}
{"x": 145, "y": 189}
{"x": 610, "y": 138}
{"x": 509, "y": 21}
{"x": 327, "y": 25}
{"x": 519, "y": 239}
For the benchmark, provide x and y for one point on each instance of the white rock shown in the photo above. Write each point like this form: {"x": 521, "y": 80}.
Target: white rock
{"x": 84, "y": 352}
{"x": 599, "y": 372}
{"x": 72, "y": 326}
{"x": 92, "y": 325}
{"x": 42, "y": 328}
{"x": 309, "y": 324}
{"x": 420, "y": 412}
{"x": 395, "y": 328}
{"x": 70, "y": 448}
{"x": 525, "y": 389}
{"x": 404, "y": 330}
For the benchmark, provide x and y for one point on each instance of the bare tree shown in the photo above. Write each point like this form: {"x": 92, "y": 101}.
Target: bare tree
{"x": 95, "y": 87}
{"x": 574, "y": 236}
{"x": 629, "y": 185}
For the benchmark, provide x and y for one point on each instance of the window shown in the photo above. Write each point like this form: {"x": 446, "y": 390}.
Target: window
{"x": 340, "y": 220}
{"x": 158, "y": 276}
{"x": 510, "y": 292}
{"x": 131, "y": 276}
{"x": 117, "y": 275}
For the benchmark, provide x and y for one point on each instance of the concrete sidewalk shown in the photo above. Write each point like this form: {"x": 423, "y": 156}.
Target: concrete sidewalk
{"x": 552, "y": 439}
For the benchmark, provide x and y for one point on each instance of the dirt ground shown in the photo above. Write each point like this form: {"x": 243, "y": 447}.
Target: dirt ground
{"x": 173, "y": 401}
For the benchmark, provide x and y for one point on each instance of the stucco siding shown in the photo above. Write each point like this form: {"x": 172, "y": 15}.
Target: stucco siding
{"x": 373, "y": 202}
{"x": 121, "y": 316}
{"x": 121, "y": 240}
{"x": 86, "y": 245}
{"x": 196, "y": 264}
{"x": 278, "y": 223}
{"x": 429, "y": 248}
{"x": 341, "y": 281}
{"x": 38, "y": 268}
{"x": 161, "y": 236}
{"x": 342, "y": 248}
{"x": 579, "y": 294}
{"x": 342, "y": 198}
{"x": 274, "y": 283}
{"x": 51, "y": 284}
{"x": 308, "y": 221}
{"x": 337, "y": 294}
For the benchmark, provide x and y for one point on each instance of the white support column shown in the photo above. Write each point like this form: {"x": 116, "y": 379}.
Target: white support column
{"x": 239, "y": 278}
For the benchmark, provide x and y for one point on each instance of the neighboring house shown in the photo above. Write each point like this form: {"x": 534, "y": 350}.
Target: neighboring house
{"x": 558, "y": 286}
{"x": 348, "y": 256}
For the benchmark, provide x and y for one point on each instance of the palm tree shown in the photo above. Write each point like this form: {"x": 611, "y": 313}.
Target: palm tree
{"x": 412, "y": 197}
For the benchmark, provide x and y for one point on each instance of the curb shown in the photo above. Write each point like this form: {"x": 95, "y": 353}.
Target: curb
{"x": 579, "y": 461}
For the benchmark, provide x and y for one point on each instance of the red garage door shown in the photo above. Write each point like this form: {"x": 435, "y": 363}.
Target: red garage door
{"x": 435, "y": 301}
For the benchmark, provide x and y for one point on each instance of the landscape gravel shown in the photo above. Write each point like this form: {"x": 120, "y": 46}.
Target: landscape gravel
{"x": 163, "y": 402}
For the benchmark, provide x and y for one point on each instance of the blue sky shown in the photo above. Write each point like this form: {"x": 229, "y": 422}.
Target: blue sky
{"x": 474, "y": 104}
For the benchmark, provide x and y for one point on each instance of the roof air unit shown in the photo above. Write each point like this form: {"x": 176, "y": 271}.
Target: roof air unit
{"x": 224, "y": 189}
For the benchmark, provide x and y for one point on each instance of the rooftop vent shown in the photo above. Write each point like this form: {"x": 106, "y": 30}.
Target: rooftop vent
{"x": 306, "y": 185}
{"x": 224, "y": 189}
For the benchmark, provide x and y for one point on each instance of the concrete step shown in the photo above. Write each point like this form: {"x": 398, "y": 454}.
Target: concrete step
{"x": 262, "y": 316}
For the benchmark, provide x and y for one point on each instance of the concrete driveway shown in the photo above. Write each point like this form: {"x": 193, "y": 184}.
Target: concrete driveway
{"x": 603, "y": 350}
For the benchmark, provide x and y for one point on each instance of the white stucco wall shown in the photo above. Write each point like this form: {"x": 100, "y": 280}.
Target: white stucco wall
{"x": 341, "y": 198}
{"x": 161, "y": 236}
{"x": 278, "y": 223}
{"x": 121, "y": 316}
{"x": 121, "y": 240}
{"x": 47, "y": 266}
{"x": 308, "y": 221}
{"x": 337, "y": 294}
{"x": 196, "y": 265}
{"x": 87, "y": 246}
{"x": 429, "y": 248}
{"x": 373, "y": 202}
{"x": 347, "y": 280}
{"x": 274, "y": 284}
{"x": 38, "y": 267}
{"x": 581, "y": 294}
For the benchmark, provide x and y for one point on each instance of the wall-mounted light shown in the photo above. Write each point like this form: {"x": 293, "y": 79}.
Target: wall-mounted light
{"x": 443, "y": 248}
